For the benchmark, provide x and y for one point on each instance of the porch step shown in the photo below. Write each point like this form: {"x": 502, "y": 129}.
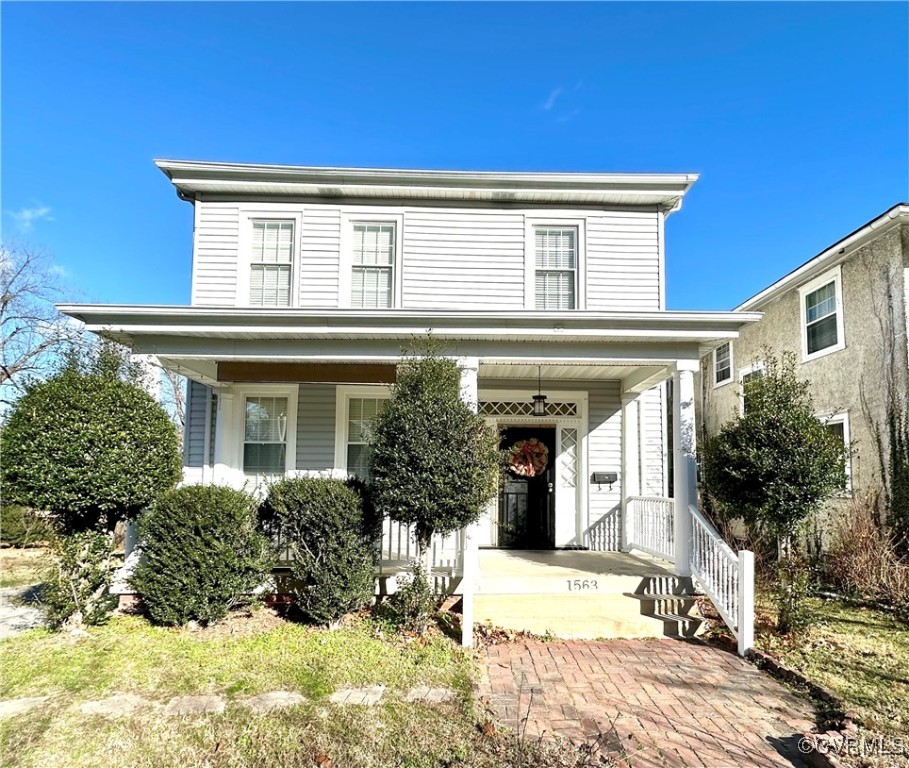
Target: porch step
{"x": 591, "y": 615}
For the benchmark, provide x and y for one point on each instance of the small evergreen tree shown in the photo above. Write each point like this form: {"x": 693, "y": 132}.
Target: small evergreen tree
{"x": 92, "y": 448}
{"x": 773, "y": 466}
{"x": 433, "y": 460}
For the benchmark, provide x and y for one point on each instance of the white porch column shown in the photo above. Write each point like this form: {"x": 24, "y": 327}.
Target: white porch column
{"x": 684, "y": 449}
{"x": 631, "y": 462}
{"x": 224, "y": 464}
{"x": 470, "y": 552}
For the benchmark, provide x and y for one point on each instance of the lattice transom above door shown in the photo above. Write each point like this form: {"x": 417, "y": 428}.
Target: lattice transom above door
{"x": 523, "y": 408}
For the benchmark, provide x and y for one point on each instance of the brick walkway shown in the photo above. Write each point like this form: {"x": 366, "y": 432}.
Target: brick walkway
{"x": 665, "y": 702}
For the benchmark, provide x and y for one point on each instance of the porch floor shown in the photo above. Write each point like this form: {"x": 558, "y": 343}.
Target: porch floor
{"x": 568, "y": 563}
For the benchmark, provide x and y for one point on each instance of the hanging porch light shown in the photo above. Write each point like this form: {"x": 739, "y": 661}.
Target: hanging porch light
{"x": 539, "y": 399}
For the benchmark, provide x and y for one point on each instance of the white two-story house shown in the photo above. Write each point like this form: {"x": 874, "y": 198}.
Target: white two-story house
{"x": 548, "y": 288}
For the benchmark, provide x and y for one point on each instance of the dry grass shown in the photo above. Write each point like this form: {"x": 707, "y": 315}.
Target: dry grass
{"x": 23, "y": 567}
{"x": 245, "y": 655}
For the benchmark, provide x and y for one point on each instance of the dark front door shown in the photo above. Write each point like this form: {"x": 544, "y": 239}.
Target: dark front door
{"x": 526, "y": 492}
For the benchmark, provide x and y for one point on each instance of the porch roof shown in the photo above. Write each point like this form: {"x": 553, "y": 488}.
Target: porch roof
{"x": 129, "y": 323}
{"x": 633, "y": 346}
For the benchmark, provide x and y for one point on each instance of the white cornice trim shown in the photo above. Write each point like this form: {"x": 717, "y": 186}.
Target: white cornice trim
{"x": 829, "y": 258}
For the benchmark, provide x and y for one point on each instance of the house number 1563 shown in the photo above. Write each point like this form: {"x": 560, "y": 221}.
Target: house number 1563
{"x": 581, "y": 585}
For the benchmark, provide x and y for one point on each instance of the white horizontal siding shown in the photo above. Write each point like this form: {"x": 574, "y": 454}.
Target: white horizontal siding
{"x": 623, "y": 261}
{"x": 451, "y": 258}
{"x": 463, "y": 259}
{"x": 603, "y": 528}
{"x": 652, "y": 426}
{"x": 320, "y": 252}
{"x": 216, "y": 254}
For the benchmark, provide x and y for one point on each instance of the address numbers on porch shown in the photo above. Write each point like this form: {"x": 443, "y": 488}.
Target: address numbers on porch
{"x": 582, "y": 585}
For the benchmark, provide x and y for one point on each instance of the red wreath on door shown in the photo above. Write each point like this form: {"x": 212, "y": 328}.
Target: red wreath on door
{"x": 528, "y": 458}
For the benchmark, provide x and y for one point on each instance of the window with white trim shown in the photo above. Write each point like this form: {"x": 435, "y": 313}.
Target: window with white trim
{"x": 838, "y": 426}
{"x": 271, "y": 263}
{"x": 822, "y": 315}
{"x": 722, "y": 364}
{"x": 265, "y": 436}
{"x": 749, "y": 373}
{"x": 373, "y": 271}
{"x": 556, "y": 263}
{"x": 361, "y": 411}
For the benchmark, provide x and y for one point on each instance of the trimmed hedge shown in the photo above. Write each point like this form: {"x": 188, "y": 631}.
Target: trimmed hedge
{"x": 330, "y": 529}
{"x": 202, "y": 554}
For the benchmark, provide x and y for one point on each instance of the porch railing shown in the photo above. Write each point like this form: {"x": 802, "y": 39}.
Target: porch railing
{"x": 727, "y": 578}
{"x": 649, "y": 526}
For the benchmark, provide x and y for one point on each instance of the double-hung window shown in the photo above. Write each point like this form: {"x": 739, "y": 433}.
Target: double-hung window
{"x": 373, "y": 272}
{"x": 822, "y": 316}
{"x": 838, "y": 426}
{"x": 556, "y": 261}
{"x": 747, "y": 374}
{"x": 271, "y": 263}
{"x": 265, "y": 436}
{"x": 722, "y": 364}
{"x": 361, "y": 411}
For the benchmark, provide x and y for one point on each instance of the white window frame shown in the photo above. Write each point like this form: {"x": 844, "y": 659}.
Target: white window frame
{"x": 350, "y": 217}
{"x": 292, "y": 393}
{"x": 755, "y": 367}
{"x": 343, "y": 395}
{"x": 556, "y": 221}
{"x": 841, "y": 417}
{"x": 249, "y": 214}
{"x": 731, "y": 376}
{"x": 834, "y": 276}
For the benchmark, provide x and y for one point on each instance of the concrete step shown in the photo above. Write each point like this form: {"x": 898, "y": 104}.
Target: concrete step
{"x": 562, "y": 584}
{"x": 588, "y": 615}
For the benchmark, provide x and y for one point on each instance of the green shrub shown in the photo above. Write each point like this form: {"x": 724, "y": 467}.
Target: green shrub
{"x": 21, "y": 527}
{"x": 415, "y": 602}
{"x": 330, "y": 532}
{"x": 202, "y": 554}
{"x": 77, "y": 591}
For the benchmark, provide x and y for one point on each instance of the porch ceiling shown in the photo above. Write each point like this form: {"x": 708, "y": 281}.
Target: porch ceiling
{"x": 527, "y": 372}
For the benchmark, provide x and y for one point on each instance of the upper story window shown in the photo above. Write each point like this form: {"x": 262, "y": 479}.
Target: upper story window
{"x": 373, "y": 271}
{"x": 722, "y": 364}
{"x": 270, "y": 263}
{"x": 822, "y": 316}
{"x": 556, "y": 274}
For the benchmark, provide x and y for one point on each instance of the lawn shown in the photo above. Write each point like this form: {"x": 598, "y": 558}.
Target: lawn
{"x": 249, "y": 653}
{"x": 22, "y": 567}
{"x": 859, "y": 654}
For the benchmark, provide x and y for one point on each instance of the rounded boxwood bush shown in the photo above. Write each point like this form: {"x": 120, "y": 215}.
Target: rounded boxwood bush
{"x": 202, "y": 554}
{"x": 330, "y": 531}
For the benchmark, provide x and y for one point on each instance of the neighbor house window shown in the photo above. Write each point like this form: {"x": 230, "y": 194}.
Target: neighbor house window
{"x": 556, "y": 259}
{"x": 749, "y": 373}
{"x": 361, "y": 411}
{"x": 265, "y": 436}
{"x": 373, "y": 278}
{"x": 838, "y": 426}
{"x": 722, "y": 363}
{"x": 822, "y": 319}
{"x": 271, "y": 261}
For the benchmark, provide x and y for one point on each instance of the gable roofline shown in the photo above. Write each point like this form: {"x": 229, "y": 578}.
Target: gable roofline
{"x": 828, "y": 258}
{"x": 664, "y": 190}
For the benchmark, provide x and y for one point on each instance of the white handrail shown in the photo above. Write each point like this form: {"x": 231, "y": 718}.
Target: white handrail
{"x": 727, "y": 578}
{"x": 649, "y": 525}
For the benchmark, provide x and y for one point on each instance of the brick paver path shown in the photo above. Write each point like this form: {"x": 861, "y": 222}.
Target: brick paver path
{"x": 665, "y": 702}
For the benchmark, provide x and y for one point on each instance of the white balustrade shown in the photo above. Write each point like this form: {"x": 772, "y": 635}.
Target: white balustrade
{"x": 649, "y": 525}
{"x": 727, "y": 578}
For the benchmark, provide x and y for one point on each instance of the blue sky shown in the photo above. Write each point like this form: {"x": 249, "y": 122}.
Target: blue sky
{"x": 794, "y": 114}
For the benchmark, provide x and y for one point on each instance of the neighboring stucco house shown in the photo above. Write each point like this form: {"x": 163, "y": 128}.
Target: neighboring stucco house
{"x": 844, "y": 315}
{"x": 306, "y": 284}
